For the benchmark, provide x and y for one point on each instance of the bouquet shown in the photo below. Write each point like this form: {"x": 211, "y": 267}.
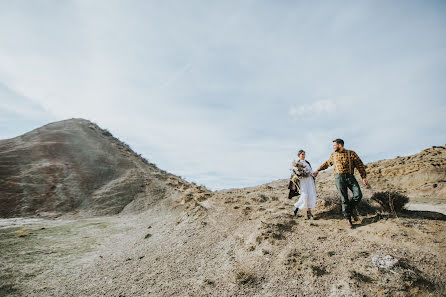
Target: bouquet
{"x": 298, "y": 172}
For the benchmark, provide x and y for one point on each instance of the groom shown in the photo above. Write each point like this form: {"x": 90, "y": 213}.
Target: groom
{"x": 345, "y": 162}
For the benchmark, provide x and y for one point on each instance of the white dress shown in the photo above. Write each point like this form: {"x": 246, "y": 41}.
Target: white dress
{"x": 307, "y": 190}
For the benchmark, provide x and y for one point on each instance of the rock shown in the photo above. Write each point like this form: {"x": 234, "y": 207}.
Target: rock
{"x": 384, "y": 262}
{"x": 22, "y": 233}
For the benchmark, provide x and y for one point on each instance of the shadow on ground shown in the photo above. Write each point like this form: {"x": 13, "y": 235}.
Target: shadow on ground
{"x": 372, "y": 215}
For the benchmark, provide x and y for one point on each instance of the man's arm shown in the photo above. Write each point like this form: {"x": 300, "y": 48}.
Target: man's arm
{"x": 361, "y": 168}
{"x": 326, "y": 164}
{"x": 359, "y": 165}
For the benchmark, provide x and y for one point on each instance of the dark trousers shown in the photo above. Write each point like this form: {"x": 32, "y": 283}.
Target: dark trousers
{"x": 345, "y": 181}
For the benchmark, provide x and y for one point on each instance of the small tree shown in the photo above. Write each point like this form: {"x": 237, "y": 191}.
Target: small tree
{"x": 391, "y": 201}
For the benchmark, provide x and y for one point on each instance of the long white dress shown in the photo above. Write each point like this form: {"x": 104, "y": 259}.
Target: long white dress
{"x": 307, "y": 190}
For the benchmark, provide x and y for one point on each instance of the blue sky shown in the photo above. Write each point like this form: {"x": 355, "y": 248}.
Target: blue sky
{"x": 224, "y": 93}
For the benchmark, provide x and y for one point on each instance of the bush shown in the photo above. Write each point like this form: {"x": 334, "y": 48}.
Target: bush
{"x": 262, "y": 198}
{"x": 244, "y": 277}
{"x": 364, "y": 207}
{"x": 332, "y": 203}
{"x": 391, "y": 201}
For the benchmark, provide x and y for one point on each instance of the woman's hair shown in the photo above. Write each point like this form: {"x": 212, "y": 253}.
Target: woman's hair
{"x": 300, "y": 152}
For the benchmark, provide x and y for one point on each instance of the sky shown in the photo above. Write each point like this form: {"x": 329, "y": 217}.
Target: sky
{"x": 224, "y": 93}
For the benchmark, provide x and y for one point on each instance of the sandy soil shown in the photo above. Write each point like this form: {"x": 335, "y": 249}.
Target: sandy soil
{"x": 233, "y": 243}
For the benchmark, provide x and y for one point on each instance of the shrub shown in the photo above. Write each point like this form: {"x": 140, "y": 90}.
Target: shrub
{"x": 332, "y": 203}
{"x": 390, "y": 201}
{"x": 262, "y": 198}
{"x": 364, "y": 207}
{"x": 318, "y": 271}
{"x": 244, "y": 277}
{"x": 354, "y": 275}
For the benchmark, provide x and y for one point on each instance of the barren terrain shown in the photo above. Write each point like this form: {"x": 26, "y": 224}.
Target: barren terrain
{"x": 241, "y": 242}
{"x": 158, "y": 235}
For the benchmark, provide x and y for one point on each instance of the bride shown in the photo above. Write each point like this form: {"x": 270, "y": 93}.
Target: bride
{"x": 307, "y": 187}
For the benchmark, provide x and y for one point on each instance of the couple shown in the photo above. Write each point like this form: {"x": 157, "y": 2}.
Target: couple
{"x": 345, "y": 162}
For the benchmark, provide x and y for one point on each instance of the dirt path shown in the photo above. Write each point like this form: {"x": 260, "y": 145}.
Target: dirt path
{"x": 441, "y": 208}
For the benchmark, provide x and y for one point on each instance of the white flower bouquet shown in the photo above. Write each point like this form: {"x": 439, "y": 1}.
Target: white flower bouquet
{"x": 298, "y": 172}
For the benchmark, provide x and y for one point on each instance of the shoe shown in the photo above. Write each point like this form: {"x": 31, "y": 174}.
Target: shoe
{"x": 310, "y": 215}
{"x": 349, "y": 223}
{"x": 296, "y": 209}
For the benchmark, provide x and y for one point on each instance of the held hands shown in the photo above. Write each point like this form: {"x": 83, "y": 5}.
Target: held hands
{"x": 315, "y": 173}
{"x": 365, "y": 181}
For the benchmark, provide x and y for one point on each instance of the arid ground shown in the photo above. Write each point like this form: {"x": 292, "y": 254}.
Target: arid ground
{"x": 232, "y": 243}
{"x": 85, "y": 215}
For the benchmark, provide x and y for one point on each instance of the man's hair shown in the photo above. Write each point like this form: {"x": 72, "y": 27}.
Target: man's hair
{"x": 300, "y": 152}
{"x": 339, "y": 141}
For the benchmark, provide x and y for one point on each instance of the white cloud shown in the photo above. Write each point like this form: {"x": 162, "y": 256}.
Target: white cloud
{"x": 319, "y": 107}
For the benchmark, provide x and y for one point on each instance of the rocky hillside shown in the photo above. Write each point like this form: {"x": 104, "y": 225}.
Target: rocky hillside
{"x": 419, "y": 175}
{"x": 75, "y": 167}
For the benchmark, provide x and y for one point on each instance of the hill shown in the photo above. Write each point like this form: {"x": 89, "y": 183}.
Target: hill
{"x": 75, "y": 167}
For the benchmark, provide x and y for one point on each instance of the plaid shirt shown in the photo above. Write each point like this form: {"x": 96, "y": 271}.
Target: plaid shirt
{"x": 342, "y": 164}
